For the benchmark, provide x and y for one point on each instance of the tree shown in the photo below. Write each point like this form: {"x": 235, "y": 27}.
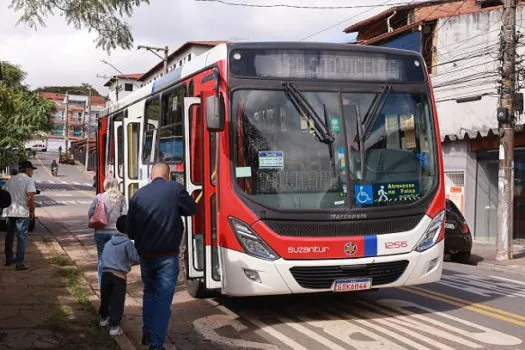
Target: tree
{"x": 102, "y": 16}
{"x": 72, "y": 90}
{"x": 22, "y": 114}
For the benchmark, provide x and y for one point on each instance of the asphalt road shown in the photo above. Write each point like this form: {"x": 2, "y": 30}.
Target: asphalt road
{"x": 472, "y": 307}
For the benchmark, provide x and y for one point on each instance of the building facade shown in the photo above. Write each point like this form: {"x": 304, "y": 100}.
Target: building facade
{"x": 71, "y": 119}
{"x": 459, "y": 41}
{"x": 121, "y": 86}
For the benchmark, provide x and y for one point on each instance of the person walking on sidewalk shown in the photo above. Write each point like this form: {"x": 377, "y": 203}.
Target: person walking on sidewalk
{"x": 117, "y": 259}
{"x": 22, "y": 189}
{"x": 154, "y": 222}
{"x": 115, "y": 205}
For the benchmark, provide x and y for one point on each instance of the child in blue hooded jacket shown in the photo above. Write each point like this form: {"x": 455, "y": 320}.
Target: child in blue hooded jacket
{"x": 118, "y": 256}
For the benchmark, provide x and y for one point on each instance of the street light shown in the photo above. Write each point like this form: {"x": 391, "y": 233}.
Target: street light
{"x": 122, "y": 74}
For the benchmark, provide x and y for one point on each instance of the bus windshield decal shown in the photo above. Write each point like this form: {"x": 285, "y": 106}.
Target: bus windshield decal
{"x": 327, "y": 65}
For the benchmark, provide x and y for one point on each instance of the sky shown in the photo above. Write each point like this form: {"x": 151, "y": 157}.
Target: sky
{"x": 59, "y": 55}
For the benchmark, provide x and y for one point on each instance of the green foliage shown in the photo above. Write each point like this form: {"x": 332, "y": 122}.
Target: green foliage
{"x": 22, "y": 114}
{"x": 102, "y": 16}
{"x": 72, "y": 90}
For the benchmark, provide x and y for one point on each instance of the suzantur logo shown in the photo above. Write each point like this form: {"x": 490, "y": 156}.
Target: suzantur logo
{"x": 306, "y": 250}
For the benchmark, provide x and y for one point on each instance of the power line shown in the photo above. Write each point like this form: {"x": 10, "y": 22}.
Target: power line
{"x": 343, "y": 21}
{"x": 229, "y": 3}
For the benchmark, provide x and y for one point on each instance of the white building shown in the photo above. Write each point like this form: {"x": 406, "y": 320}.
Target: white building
{"x": 178, "y": 58}
{"x": 121, "y": 86}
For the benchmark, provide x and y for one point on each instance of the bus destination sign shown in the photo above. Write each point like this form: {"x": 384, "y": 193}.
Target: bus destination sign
{"x": 325, "y": 65}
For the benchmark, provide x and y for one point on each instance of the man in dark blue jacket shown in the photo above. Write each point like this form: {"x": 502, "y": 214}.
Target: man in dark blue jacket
{"x": 154, "y": 222}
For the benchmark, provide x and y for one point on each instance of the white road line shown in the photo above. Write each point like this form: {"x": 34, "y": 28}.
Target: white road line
{"x": 508, "y": 280}
{"x": 76, "y": 183}
{"x": 64, "y": 182}
{"x": 88, "y": 185}
{"x": 302, "y": 329}
{"x": 61, "y": 195}
{"x": 273, "y": 332}
{"x": 51, "y": 182}
{"x": 389, "y": 322}
{"x": 379, "y": 329}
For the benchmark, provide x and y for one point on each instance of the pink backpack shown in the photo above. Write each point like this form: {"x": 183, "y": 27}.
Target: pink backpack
{"x": 99, "y": 219}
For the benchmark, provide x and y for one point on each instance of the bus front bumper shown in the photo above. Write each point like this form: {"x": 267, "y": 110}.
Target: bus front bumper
{"x": 244, "y": 275}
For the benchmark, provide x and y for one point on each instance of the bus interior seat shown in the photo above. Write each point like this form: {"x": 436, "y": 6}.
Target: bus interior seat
{"x": 392, "y": 165}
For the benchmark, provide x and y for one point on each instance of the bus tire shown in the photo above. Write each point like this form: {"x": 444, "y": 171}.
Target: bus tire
{"x": 195, "y": 286}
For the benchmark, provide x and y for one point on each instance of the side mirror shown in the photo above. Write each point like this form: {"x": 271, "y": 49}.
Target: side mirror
{"x": 215, "y": 113}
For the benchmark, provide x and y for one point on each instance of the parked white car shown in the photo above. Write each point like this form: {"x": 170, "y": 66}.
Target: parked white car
{"x": 37, "y": 146}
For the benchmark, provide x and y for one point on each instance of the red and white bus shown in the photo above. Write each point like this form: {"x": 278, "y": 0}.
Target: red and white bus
{"x": 316, "y": 167}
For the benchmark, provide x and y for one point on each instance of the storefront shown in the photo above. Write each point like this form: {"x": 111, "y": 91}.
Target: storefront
{"x": 471, "y": 180}
{"x": 487, "y": 195}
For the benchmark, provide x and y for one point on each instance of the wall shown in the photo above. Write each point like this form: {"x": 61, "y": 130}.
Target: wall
{"x": 465, "y": 65}
{"x": 175, "y": 62}
{"x": 122, "y": 93}
{"x": 457, "y": 158}
{"x": 409, "y": 41}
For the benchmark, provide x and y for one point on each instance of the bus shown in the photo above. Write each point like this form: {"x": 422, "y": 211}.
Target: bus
{"x": 316, "y": 167}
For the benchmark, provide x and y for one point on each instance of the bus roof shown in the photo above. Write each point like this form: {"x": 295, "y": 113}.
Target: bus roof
{"x": 220, "y": 52}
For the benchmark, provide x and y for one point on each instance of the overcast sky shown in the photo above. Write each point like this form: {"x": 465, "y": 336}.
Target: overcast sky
{"x": 60, "y": 55}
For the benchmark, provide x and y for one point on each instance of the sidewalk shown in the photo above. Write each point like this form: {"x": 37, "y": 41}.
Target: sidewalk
{"x": 484, "y": 254}
{"x": 50, "y": 305}
{"x": 76, "y": 240}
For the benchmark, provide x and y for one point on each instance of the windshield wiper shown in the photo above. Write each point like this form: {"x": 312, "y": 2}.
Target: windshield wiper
{"x": 322, "y": 133}
{"x": 373, "y": 113}
{"x": 303, "y": 106}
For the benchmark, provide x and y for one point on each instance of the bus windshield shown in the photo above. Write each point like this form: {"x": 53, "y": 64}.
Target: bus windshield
{"x": 382, "y": 151}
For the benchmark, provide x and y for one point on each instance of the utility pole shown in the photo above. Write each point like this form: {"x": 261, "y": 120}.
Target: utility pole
{"x": 506, "y": 120}
{"x": 153, "y": 49}
{"x": 66, "y": 132}
{"x": 88, "y": 129}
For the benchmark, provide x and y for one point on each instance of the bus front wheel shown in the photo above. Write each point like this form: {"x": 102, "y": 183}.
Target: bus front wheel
{"x": 195, "y": 286}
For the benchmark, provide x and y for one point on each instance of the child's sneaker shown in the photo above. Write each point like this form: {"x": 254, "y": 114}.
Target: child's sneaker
{"x": 114, "y": 331}
{"x": 104, "y": 322}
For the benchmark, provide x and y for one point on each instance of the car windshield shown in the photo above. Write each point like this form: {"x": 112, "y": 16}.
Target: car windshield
{"x": 377, "y": 158}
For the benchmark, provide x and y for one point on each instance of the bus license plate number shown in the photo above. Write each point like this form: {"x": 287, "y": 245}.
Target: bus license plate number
{"x": 352, "y": 285}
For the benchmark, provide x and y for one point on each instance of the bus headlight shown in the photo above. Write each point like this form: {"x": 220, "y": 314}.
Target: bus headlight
{"x": 251, "y": 242}
{"x": 432, "y": 234}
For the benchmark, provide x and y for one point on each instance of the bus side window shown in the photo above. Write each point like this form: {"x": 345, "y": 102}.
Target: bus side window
{"x": 171, "y": 145}
{"x": 196, "y": 145}
{"x": 152, "y": 115}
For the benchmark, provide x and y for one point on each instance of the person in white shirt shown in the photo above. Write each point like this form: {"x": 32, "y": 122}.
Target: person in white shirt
{"x": 22, "y": 189}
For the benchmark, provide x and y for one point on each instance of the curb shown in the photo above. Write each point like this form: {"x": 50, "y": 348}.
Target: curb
{"x": 123, "y": 341}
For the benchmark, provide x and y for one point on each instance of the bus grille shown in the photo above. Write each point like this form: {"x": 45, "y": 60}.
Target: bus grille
{"x": 322, "y": 277}
{"x": 343, "y": 228}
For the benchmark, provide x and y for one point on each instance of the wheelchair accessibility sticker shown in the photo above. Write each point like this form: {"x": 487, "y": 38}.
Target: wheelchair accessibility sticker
{"x": 364, "y": 194}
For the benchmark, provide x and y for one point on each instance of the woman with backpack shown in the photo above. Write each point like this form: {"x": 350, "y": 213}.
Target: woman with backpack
{"x": 103, "y": 214}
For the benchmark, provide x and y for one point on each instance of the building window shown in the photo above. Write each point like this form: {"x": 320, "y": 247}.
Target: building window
{"x": 128, "y": 87}
{"x": 58, "y": 130}
{"x": 180, "y": 63}
{"x": 189, "y": 57}
{"x": 77, "y": 131}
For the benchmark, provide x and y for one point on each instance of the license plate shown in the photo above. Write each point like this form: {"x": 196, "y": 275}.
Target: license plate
{"x": 352, "y": 285}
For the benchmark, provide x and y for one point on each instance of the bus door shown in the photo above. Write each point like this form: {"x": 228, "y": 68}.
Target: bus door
{"x": 131, "y": 129}
{"x": 202, "y": 247}
{"x": 118, "y": 144}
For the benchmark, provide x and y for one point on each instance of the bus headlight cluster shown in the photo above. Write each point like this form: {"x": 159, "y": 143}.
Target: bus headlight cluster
{"x": 251, "y": 242}
{"x": 431, "y": 236}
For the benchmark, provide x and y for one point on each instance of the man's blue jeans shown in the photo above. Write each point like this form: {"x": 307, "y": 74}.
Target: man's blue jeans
{"x": 21, "y": 226}
{"x": 101, "y": 239}
{"x": 159, "y": 276}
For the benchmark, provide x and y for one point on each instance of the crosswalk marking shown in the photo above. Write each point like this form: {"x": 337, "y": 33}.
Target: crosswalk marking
{"x": 508, "y": 280}
{"x": 63, "y": 182}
